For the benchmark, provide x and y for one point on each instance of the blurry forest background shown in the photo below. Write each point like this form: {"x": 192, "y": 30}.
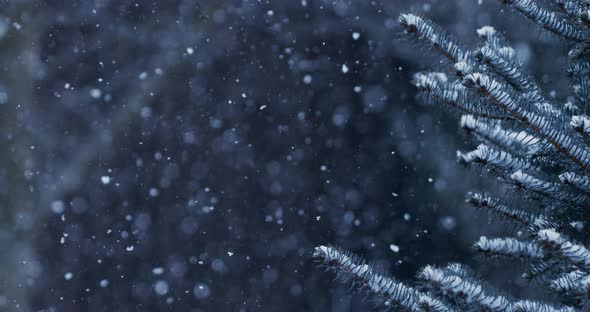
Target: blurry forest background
{"x": 187, "y": 155}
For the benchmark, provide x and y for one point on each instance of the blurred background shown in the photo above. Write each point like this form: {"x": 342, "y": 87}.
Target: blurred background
{"x": 187, "y": 155}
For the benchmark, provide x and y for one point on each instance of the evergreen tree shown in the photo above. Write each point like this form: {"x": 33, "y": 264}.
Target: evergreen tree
{"x": 539, "y": 149}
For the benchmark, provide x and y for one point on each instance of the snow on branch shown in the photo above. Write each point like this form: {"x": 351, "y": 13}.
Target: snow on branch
{"x": 541, "y": 123}
{"x": 551, "y": 189}
{"x": 507, "y": 68}
{"x": 582, "y": 125}
{"x": 484, "y": 201}
{"x": 572, "y": 7}
{"x": 496, "y": 41}
{"x": 557, "y": 244}
{"x": 520, "y": 142}
{"x": 572, "y": 282}
{"x": 508, "y": 247}
{"x": 532, "y": 306}
{"x": 434, "y": 36}
{"x": 488, "y": 156}
{"x": 436, "y": 88}
{"x": 579, "y": 181}
{"x": 463, "y": 289}
{"x": 393, "y": 293}
{"x": 548, "y": 19}
{"x": 579, "y": 69}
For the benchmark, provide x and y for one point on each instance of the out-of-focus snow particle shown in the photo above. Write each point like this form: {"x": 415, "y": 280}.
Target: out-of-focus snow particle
{"x": 430, "y": 180}
{"x": 68, "y": 276}
{"x": 344, "y": 68}
{"x": 4, "y": 25}
{"x": 341, "y": 116}
{"x": 307, "y": 79}
{"x": 356, "y": 35}
{"x": 216, "y": 123}
{"x": 58, "y": 206}
{"x": 105, "y": 179}
{"x": 357, "y": 89}
{"x": 130, "y": 248}
{"x": 201, "y": 291}
{"x": 270, "y": 13}
{"x": 323, "y": 168}
{"x": 158, "y": 271}
{"x": 3, "y": 97}
{"x": 143, "y": 75}
{"x": 145, "y": 112}
{"x": 301, "y": 116}
{"x": 161, "y": 287}
{"x": 95, "y": 93}
{"x": 407, "y": 216}
{"x": 262, "y": 107}
{"x": 303, "y": 3}
{"x": 448, "y": 223}
{"x": 104, "y": 283}
{"x": 190, "y": 51}
{"x": 154, "y": 192}
{"x": 244, "y": 95}
{"x": 394, "y": 247}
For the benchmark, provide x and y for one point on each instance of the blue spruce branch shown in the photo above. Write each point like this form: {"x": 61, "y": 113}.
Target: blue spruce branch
{"x": 539, "y": 148}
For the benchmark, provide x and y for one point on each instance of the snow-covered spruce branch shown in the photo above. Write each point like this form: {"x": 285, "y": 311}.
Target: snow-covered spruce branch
{"x": 548, "y": 19}
{"x": 436, "y": 88}
{"x": 434, "y": 36}
{"x": 544, "y": 126}
{"x": 508, "y": 69}
{"x": 531, "y": 306}
{"x": 492, "y": 132}
{"x": 534, "y": 116}
{"x": 485, "y": 155}
{"x": 574, "y": 8}
{"x": 472, "y": 294}
{"x": 578, "y": 69}
{"x": 534, "y": 143}
{"x": 508, "y": 247}
{"x": 572, "y": 282}
{"x": 579, "y": 181}
{"x": 582, "y": 125}
{"x": 391, "y": 292}
{"x": 496, "y": 41}
{"x": 484, "y": 201}
{"x": 560, "y": 246}
{"x": 553, "y": 190}
{"x": 462, "y": 289}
